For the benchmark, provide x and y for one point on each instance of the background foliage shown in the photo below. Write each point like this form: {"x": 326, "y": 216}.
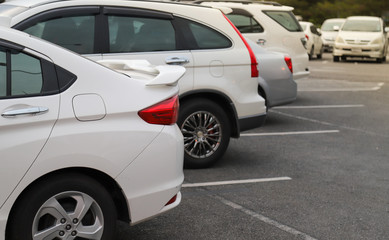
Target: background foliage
{"x": 317, "y": 11}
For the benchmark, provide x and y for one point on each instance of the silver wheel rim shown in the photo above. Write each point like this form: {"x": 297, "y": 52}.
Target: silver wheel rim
{"x": 202, "y": 134}
{"x": 68, "y": 215}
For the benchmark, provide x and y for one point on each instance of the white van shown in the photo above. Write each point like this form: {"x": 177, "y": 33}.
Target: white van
{"x": 361, "y": 36}
{"x": 329, "y": 32}
{"x": 271, "y": 25}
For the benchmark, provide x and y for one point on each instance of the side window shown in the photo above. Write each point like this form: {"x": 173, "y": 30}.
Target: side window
{"x": 208, "y": 38}
{"x": 20, "y": 74}
{"x": 137, "y": 34}
{"x": 75, "y": 33}
{"x": 285, "y": 19}
{"x": 245, "y": 24}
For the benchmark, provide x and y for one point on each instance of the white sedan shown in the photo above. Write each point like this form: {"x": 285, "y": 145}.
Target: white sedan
{"x": 82, "y": 145}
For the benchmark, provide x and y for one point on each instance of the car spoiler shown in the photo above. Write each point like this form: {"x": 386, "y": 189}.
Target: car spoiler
{"x": 143, "y": 70}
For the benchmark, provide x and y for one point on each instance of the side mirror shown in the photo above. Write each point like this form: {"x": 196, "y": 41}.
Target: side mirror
{"x": 318, "y": 30}
{"x": 336, "y": 28}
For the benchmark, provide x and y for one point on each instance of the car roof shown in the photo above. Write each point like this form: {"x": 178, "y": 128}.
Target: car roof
{"x": 246, "y": 4}
{"x": 35, "y": 3}
{"x": 363, "y": 18}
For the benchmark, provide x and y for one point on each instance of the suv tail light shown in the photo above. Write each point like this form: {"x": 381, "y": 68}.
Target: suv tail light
{"x": 163, "y": 113}
{"x": 288, "y": 61}
{"x": 254, "y": 63}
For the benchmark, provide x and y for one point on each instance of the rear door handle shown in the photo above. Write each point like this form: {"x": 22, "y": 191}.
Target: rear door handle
{"x": 176, "y": 60}
{"x": 25, "y": 111}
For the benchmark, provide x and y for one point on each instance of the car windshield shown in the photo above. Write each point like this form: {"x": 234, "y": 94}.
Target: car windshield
{"x": 285, "y": 19}
{"x": 362, "y": 26}
{"x": 329, "y": 26}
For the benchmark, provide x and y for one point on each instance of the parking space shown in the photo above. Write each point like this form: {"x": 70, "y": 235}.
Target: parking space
{"x": 316, "y": 170}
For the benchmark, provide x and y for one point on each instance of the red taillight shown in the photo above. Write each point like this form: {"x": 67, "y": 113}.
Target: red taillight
{"x": 172, "y": 200}
{"x": 288, "y": 61}
{"x": 307, "y": 36}
{"x": 254, "y": 63}
{"x": 164, "y": 113}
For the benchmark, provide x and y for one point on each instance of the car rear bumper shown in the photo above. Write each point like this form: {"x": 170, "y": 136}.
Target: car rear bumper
{"x": 149, "y": 183}
{"x": 252, "y": 122}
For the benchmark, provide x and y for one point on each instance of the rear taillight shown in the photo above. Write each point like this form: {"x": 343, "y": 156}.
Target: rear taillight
{"x": 163, "y": 113}
{"x": 307, "y": 36}
{"x": 254, "y": 63}
{"x": 288, "y": 61}
{"x": 172, "y": 200}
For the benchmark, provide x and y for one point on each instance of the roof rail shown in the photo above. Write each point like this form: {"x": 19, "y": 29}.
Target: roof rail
{"x": 239, "y": 1}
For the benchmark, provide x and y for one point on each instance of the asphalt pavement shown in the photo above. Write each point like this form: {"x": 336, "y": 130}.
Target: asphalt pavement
{"x": 318, "y": 169}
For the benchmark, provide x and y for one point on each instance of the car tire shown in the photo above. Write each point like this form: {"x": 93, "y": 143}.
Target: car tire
{"x": 320, "y": 55}
{"x": 336, "y": 58}
{"x": 206, "y": 130}
{"x": 56, "y": 210}
{"x": 379, "y": 60}
{"x": 310, "y": 55}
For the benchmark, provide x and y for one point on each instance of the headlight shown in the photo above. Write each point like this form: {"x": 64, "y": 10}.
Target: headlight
{"x": 339, "y": 39}
{"x": 377, "y": 41}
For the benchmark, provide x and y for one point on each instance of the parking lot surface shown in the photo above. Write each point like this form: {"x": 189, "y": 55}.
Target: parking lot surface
{"x": 318, "y": 169}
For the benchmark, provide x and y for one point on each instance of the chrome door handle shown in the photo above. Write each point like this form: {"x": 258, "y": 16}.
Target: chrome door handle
{"x": 25, "y": 111}
{"x": 176, "y": 60}
{"x": 261, "y": 42}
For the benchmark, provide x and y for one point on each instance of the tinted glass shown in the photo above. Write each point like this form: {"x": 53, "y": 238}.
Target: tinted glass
{"x": 245, "y": 24}
{"x": 136, "y": 34}
{"x": 285, "y": 19}
{"x": 3, "y": 74}
{"x": 329, "y": 26}
{"x": 362, "y": 26}
{"x": 75, "y": 33}
{"x": 26, "y": 75}
{"x": 207, "y": 38}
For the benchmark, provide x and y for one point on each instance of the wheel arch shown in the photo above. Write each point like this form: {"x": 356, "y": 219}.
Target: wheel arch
{"x": 106, "y": 181}
{"x": 222, "y": 100}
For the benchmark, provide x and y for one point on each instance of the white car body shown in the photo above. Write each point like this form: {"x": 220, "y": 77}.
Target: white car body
{"x": 275, "y": 76}
{"x": 91, "y": 127}
{"x": 271, "y": 34}
{"x": 314, "y": 42}
{"x": 361, "y": 36}
{"x": 222, "y": 75}
{"x": 329, "y": 32}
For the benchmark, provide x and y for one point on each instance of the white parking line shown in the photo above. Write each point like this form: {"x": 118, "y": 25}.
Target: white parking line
{"x": 265, "y": 219}
{"x": 207, "y": 184}
{"x": 287, "y": 133}
{"x": 320, "y": 106}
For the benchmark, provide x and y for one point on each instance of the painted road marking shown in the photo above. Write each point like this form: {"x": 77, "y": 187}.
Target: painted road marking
{"x": 333, "y": 85}
{"x": 264, "y": 219}
{"x": 320, "y": 106}
{"x": 287, "y": 133}
{"x": 219, "y": 183}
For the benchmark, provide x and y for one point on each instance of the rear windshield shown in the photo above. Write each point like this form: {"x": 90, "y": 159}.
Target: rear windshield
{"x": 285, "y": 19}
{"x": 329, "y": 26}
{"x": 362, "y": 26}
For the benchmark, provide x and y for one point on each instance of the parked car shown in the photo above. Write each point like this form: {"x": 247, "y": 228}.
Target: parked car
{"x": 314, "y": 42}
{"x": 275, "y": 81}
{"x": 329, "y": 31}
{"x": 81, "y": 144}
{"x": 272, "y": 26}
{"x": 218, "y": 93}
{"x": 361, "y": 36}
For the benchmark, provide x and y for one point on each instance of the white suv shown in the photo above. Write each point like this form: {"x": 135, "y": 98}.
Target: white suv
{"x": 271, "y": 25}
{"x": 219, "y": 92}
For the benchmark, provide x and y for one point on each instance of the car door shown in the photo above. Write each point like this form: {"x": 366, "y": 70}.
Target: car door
{"x": 73, "y": 28}
{"x": 29, "y": 105}
{"x": 150, "y": 35}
